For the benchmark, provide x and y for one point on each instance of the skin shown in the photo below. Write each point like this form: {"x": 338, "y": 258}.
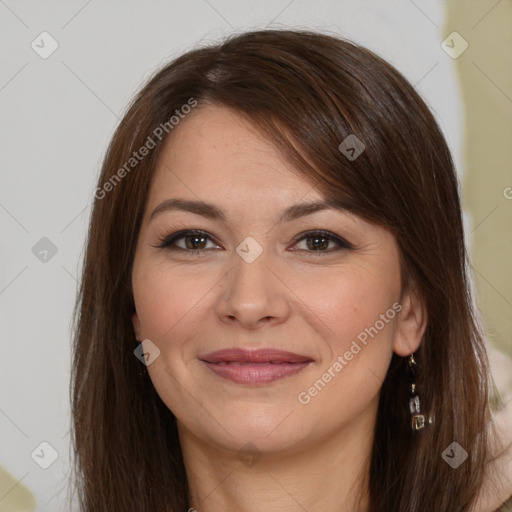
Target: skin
{"x": 290, "y": 298}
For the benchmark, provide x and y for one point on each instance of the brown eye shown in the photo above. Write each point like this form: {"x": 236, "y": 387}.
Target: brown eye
{"x": 195, "y": 242}
{"x": 318, "y": 242}
{"x": 321, "y": 242}
{"x": 187, "y": 240}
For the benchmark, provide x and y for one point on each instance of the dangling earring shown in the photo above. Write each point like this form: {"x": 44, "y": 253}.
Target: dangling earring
{"x": 417, "y": 419}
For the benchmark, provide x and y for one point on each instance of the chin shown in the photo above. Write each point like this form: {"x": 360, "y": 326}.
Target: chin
{"x": 269, "y": 431}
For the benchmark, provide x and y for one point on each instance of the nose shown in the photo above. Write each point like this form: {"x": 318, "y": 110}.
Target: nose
{"x": 253, "y": 295}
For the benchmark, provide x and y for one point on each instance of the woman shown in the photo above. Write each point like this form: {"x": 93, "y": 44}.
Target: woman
{"x": 274, "y": 310}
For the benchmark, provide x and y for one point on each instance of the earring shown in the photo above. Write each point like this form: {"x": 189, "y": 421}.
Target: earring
{"x": 417, "y": 419}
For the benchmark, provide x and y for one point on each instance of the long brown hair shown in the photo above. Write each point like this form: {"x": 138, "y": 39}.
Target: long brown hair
{"x": 306, "y": 92}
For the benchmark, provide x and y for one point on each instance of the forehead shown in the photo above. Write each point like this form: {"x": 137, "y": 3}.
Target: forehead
{"x": 216, "y": 149}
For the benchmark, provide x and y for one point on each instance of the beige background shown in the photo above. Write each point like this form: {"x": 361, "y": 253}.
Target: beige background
{"x": 485, "y": 76}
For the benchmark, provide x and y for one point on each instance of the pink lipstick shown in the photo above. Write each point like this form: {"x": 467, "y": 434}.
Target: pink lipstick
{"x": 256, "y": 366}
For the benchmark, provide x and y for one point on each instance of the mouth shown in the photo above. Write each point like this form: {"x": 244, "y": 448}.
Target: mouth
{"x": 255, "y": 367}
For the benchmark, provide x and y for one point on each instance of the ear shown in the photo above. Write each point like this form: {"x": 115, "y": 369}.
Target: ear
{"x": 136, "y": 326}
{"x": 411, "y": 323}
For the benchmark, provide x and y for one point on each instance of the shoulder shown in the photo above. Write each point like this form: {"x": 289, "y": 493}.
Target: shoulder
{"x": 496, "y": 495}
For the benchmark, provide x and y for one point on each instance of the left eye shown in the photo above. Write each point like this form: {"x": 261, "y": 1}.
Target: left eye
{"x": 319, "y": 241}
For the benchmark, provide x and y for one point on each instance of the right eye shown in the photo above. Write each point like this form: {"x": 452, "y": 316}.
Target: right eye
{"x": 187, "y": 241}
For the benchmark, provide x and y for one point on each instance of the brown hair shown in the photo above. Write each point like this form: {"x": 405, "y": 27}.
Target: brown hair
{"x": 306, "y": 92}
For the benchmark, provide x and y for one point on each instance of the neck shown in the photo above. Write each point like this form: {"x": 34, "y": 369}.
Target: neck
{"x": 318, "y": 477}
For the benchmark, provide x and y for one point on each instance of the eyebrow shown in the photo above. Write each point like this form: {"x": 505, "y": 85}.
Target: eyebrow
{"x": 211, "y": 211}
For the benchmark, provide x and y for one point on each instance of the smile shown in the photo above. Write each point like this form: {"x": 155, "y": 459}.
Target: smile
{"x": 255, "y": 367}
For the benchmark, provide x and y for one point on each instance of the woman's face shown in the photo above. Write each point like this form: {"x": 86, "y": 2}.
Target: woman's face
{"x": 258, "y": 274}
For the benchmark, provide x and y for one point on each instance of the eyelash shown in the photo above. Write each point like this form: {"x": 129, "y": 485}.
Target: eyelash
{"x": 167, "y": 241}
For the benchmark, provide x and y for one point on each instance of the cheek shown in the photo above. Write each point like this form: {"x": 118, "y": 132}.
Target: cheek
{"x": 357, "y": 323}
{"x": 171, "y": 306}
{"x": 346, "y": 304}
{"x": 361, "y": 316}
{"x": 355, "y": 315}
{"x": 167, "y": 302}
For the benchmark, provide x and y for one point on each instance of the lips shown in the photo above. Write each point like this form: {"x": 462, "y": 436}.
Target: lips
{"x": 266, "y": 355}
{"x": 255, "y": 366}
